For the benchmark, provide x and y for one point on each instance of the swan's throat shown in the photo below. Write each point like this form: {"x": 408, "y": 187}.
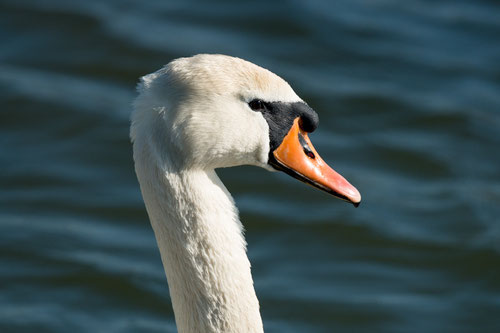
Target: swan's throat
{"x": 203, "y": 250}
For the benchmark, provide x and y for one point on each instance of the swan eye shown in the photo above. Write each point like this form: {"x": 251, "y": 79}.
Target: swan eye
{"x": 257, "y": 105}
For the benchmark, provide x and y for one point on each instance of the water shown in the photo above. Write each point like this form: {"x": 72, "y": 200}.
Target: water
{"x": 408, "y": 95}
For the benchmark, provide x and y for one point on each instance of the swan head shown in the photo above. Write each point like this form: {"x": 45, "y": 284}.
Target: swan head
{"x": 213, "y": 111}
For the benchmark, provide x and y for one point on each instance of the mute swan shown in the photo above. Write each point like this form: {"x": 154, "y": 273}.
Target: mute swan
{"x": 195, "y": 115}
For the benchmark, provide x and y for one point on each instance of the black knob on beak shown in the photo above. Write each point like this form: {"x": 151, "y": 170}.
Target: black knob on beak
{"x": 309, "y": 119}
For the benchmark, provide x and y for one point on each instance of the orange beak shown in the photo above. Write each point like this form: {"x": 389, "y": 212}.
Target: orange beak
{"x": 297, "y": 157}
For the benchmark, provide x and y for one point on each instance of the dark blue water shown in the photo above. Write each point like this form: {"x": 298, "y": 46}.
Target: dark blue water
{"x": 408, "y": 95}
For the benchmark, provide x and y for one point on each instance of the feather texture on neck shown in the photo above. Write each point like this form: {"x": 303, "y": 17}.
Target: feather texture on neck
{"x": 200, "y": 239}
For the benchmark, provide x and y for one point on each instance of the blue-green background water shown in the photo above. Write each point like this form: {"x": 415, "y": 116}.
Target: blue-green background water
{"x": 408, "y": 94}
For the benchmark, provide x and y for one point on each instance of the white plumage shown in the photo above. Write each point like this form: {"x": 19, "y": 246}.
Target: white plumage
{"x": 191, "y": 117}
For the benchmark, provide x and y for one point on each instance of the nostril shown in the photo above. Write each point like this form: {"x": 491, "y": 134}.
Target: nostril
{"x": 305, "y": 147}
{"x": 309, "y": 153}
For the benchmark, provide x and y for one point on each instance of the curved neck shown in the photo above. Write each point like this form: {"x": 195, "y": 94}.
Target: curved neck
{"x": 202, "y": 247}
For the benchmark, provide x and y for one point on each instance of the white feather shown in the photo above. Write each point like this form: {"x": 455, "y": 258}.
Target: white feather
{"x": 191, "y": 117}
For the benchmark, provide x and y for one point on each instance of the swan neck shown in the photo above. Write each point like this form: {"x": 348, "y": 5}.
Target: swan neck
{"x": 202, "y": 247}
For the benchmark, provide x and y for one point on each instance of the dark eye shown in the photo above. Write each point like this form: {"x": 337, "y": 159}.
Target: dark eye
{"x": 256, "y": 105}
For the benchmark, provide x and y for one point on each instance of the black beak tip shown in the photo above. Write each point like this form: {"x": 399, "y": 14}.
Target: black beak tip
{"x": 356, "y": 204}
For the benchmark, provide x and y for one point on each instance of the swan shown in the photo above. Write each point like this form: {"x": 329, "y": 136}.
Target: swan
{"x": 192, "y": 116}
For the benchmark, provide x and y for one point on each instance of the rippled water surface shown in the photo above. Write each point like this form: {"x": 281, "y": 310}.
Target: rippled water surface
{"x": 408, "y": 94}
